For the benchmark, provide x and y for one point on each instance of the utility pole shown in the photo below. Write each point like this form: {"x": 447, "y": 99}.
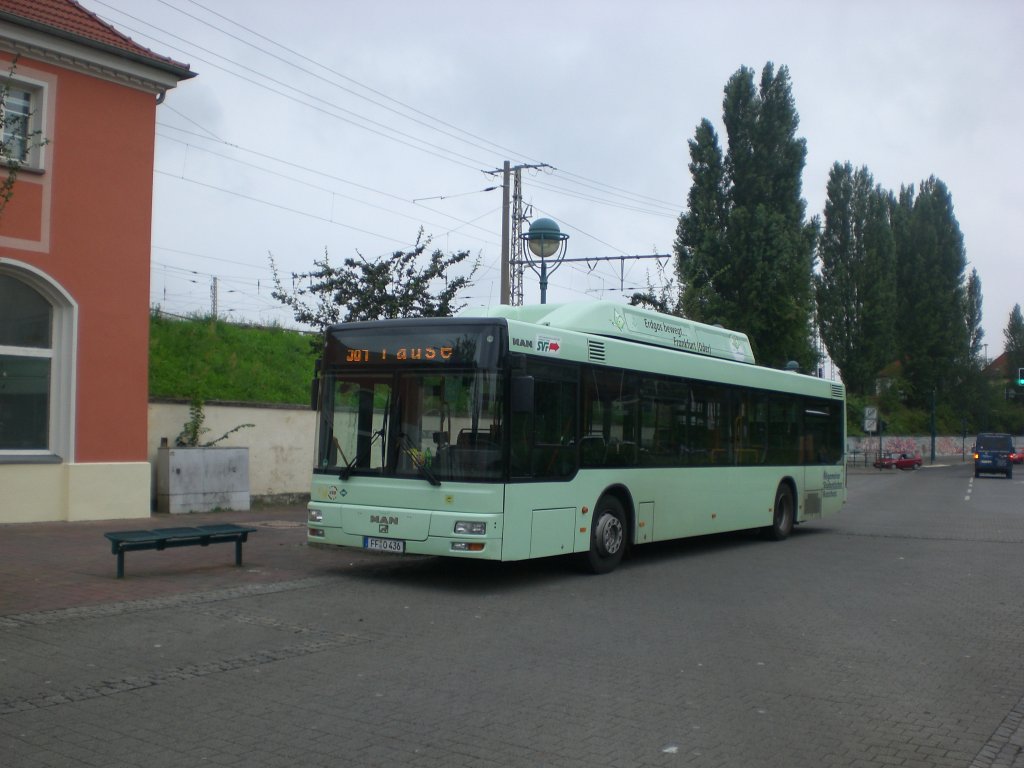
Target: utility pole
{"x": 504, "y": 235}
{"x": 933, "y": 426}
{"x": 518, "y": 257}
{"x": 511, "y": 287}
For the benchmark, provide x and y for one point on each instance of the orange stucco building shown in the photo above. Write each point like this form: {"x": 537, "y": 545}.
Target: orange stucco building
{"x": 79, "y": 119}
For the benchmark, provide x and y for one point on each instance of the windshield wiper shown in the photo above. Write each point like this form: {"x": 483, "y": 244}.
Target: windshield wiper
{"x": 417, "y": 459}
{"x": 345, "y": 472}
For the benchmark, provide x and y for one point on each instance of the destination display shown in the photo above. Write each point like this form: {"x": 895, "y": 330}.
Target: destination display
{"x": 476, "y": 346}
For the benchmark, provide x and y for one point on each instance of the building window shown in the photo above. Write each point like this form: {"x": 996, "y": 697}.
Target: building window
{"x": 21, "y": 123}
{"x": 25, "y": 355}
{"x": 37, "y": 328}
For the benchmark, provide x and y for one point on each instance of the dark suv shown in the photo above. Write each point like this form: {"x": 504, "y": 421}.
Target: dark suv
{"x": 992, "y": 454}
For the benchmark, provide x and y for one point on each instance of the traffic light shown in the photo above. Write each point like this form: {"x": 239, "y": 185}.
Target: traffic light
{"x": 1020, "y": 377}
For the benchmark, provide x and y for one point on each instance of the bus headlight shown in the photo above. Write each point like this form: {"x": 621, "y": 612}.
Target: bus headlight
{"x": 316, "y": 516}
{"x": 470, "y": 527}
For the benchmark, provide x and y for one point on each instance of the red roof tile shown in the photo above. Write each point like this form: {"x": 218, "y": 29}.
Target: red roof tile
{"x": 67, "y": 18}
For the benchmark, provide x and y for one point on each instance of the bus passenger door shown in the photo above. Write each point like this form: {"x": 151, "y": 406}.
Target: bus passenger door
{"x": 544, "y": 425}
{"x": 540, "y": 511}
{"x": 822, "y": 456}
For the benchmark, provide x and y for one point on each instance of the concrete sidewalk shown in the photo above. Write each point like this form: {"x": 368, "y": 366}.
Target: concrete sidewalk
{"x": 50, "y": 566}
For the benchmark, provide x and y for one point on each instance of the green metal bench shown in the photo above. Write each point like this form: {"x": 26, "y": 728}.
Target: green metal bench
{"x": 168, "y": 538}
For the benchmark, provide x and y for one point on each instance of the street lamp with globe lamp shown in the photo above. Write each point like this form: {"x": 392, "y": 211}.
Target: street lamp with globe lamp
{"x": 547, "y": 244}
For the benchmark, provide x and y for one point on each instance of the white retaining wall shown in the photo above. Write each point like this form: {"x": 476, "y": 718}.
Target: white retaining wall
{"x": 947, "y": 448}
{"x": 281, "y": 450}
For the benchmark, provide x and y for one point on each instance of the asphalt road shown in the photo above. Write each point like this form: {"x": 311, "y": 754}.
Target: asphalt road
{"x": 892, "y": 634}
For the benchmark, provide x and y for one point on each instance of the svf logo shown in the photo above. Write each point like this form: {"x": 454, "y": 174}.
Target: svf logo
{"x": 548, "y": 344}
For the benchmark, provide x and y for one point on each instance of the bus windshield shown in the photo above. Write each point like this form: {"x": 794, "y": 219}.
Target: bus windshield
{"x": 412, "y": 398}
{"x": 442, "y": 426}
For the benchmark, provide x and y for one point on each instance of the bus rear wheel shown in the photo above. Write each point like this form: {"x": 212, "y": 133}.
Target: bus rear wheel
{"x": 782, "y": 519}
{"x": 607, "y": 536}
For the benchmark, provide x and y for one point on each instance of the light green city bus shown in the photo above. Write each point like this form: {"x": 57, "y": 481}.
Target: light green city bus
{"x": 584, "y": 428}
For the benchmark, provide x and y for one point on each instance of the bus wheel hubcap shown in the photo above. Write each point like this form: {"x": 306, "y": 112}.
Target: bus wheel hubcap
{"x": 609, "y": 534}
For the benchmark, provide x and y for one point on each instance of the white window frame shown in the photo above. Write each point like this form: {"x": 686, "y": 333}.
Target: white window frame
{"x": 34, "y": 156}
{"x": 62, "y": 353}
{"x": 41, "y": 354}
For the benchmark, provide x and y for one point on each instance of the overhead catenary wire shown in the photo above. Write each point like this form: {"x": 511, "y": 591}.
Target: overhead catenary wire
{"x": 328, "y": 190}
{"x": 478, "y": 141}
{"x": 629, "y": 198}
{"x": 574, "y": 185}
{"x": 317, "y": 172}
{"x": 326, "y": 106}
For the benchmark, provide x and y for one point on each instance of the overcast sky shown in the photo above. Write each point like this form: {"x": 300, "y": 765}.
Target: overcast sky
{"x": 346, "y": 126}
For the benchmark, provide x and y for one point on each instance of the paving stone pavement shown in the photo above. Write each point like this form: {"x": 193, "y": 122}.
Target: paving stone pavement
{"x": 890, "y": 635}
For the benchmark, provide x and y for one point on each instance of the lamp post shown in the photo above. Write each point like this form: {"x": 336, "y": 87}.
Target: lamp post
{"x": 546, "y": 243}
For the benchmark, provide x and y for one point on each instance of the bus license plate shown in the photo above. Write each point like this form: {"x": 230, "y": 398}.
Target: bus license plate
{"x": 383, "y": 545}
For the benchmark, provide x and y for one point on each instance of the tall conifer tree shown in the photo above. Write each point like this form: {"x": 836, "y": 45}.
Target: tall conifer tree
{"x": 856, "y": 288}
{"x": 972, "y": 317}
{"x": 931, "y": 293}
{"x": 745, "y": 252}
{"x": 701, "y": 258}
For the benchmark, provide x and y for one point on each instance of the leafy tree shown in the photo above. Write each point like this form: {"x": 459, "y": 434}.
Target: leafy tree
{"x": 1014, "y": 336}
{"x": 856, "y": 288}
{"x": 399, "y": 285}
{"x": 663, "y": 297}
{"x": 931, "y": 293}
{"x": 745, "y": 253}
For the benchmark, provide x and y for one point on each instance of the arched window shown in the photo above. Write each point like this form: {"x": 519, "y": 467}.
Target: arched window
{"x": 36, "y": 355}
{"x": 26, "y": 319}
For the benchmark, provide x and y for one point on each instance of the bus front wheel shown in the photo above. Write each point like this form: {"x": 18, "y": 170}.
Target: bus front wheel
{"x": 607, "y": 535}
{"x": 782, "y": 519}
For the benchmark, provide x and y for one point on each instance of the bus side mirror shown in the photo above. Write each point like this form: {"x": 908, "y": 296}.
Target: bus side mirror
{"x": 522, "y": 394}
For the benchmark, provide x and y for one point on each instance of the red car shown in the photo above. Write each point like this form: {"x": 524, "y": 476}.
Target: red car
{"x": 908, "y": 462}
{"x": 888, "y": 461}
{"x": 903, "y": 461}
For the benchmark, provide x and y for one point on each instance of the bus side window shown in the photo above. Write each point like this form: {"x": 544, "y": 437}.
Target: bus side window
{"x": 823, "y": 433}
{"x": 592, "y": 451}
{"x": 543, "y": 438}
